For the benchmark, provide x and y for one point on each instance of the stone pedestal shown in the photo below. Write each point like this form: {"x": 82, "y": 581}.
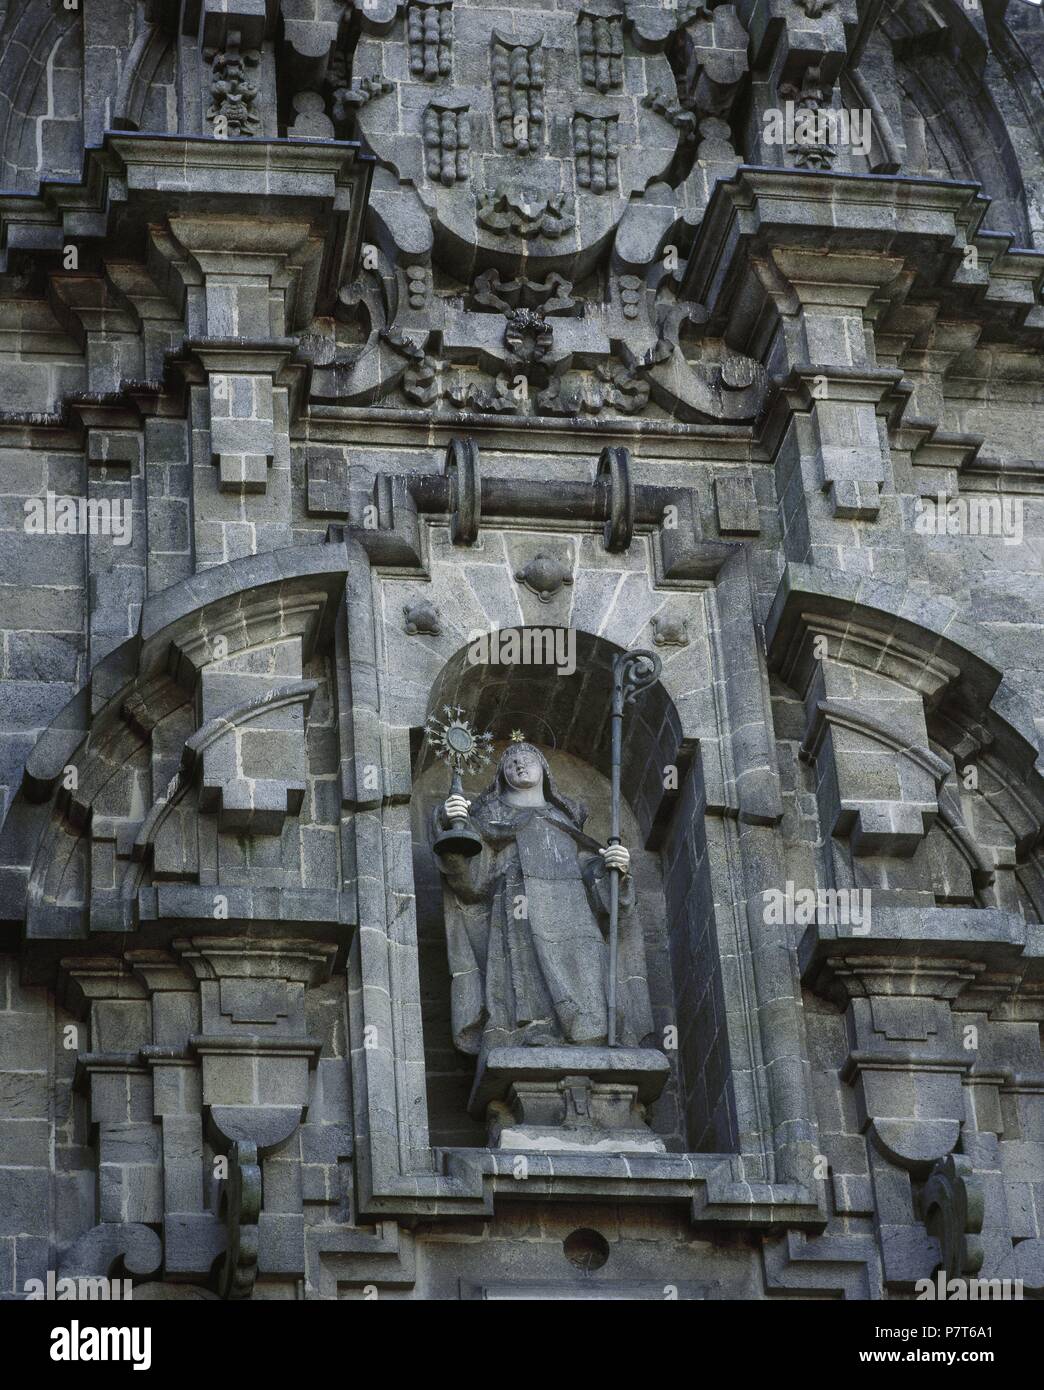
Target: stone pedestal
{"x": 577, "y": 1099}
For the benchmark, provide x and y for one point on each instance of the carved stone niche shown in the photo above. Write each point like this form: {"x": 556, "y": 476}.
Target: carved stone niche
{"x": 546, "y": 1094}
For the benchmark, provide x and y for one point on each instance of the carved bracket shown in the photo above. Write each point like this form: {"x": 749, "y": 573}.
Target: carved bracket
{"x": 954, "y": 1209}
{"x": 243, "y": 1209}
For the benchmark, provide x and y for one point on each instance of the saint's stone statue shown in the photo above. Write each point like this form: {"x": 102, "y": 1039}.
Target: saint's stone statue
{"x": 526, "y": 919}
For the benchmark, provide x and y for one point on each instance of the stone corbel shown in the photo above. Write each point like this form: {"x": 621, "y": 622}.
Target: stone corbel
{"x": 877, "y": 779}
{"x": 98, "y": 318}
{"x": 713, "y": 45}
{"x": 731, "y": 390}
{"x": 193, "y": 1238}
{"x": 219, "y": 18}
{"x": 904, "y": 1060}
{"x": 828, "y": 302}
{"x": 787, "y": 36}
{"x": 309, "y": 32}
{"x": 241, "y": 379}
{"x": 253, "y": 758}
{"x": 115, "y": 1080}
{"x": 114, "y": 1004}
{"x": 255, "y": 1052}
{"x": 256, "y": 1058}
{"x": 898, "y": 981}
{"x": 843, "y": 406}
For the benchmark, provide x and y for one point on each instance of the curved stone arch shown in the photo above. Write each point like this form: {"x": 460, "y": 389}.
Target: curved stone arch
{"x": 31, "y": 35}
{"x": 1004, "y": 801}
{"x": 981, "y": 155}
{"x": 1014, "y": 810}
{"x": 974, "y": 143}
{"x": 1012, "y": 76}
{"x": 921, "y": 646}
{"x": 113, "y": 740}
{"x": 294, "y": 692}
{"x": 149, "y": 50}
{"x": 950, "y": 822}
{"x": 250, "y": 602}
{"x": 916, "y": 640}
{"x": 64, "y": 848}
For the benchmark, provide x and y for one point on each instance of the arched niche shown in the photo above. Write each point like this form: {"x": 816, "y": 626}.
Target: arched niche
{"x": 567, "y": 716}
{"x": 950, "y": 89}
{"x": 570, "y": 711}
{"x": 121, "y": 802}
{"x": 921, "y": 686}
{"x": 36, "y": 39}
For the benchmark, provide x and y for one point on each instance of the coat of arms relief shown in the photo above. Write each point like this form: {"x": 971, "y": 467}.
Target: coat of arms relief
{"x": 540, "y": 175}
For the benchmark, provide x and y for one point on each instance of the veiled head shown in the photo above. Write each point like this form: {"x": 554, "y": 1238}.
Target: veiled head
{"x": 521, "y": 766}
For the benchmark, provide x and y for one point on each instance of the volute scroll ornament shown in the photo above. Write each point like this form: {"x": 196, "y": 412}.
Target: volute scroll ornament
{"x": 465, "y": 491}
{"x": 614, "y": 471}
{"x": 954, "y": 1210}
{"x": 243, "y": 1210}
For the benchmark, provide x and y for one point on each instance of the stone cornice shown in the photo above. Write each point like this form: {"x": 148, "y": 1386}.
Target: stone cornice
{"x": 927, "y": 223}
{"x": 133, "y": 178}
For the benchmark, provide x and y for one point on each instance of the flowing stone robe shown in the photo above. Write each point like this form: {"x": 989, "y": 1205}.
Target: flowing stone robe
{"x": 526, "y": 927}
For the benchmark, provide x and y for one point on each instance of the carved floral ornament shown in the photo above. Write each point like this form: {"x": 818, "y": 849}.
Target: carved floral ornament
{"x": 421, "y": 616}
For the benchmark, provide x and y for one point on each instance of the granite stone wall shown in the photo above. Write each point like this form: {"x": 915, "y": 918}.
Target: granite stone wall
{"x": 336, "y": 336}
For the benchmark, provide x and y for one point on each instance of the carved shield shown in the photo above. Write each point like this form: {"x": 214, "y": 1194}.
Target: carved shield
{"x": 524, "y": 134}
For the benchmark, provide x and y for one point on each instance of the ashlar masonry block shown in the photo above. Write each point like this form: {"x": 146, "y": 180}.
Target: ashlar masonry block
{"x": 255, "y": 765}
{"x": 242, "y": 430}
{"x": 877, "y": 779}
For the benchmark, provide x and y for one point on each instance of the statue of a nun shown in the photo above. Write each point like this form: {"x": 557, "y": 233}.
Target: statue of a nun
{"x": 527, "y": 917}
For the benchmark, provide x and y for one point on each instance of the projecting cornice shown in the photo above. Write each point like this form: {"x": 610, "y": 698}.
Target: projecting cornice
{"x": 133, "y": 179}
{"x": 790, "y": 235}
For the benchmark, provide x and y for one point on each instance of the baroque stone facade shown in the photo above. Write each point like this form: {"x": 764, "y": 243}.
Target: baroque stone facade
{"x": 338, "y": 342}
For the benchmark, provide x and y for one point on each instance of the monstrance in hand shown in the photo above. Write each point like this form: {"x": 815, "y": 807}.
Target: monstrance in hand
{"x": 456, "y": 743}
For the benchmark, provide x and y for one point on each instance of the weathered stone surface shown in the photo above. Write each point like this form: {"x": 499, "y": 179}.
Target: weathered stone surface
{"x": 366, "y": 368}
